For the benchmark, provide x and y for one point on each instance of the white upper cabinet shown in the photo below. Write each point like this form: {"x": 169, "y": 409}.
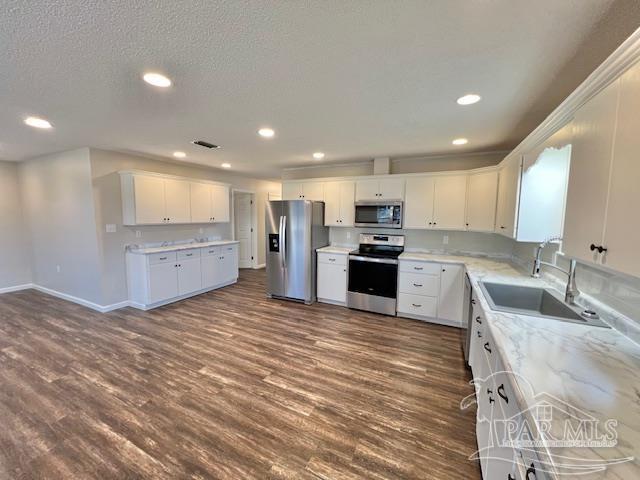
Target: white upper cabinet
{"x": 482, "y": 195}
{"x": 418, "y": 203}
{"x": 508, "y": 186}
{"x": 303, "y": 191}
{"x": 153, "y": 199}
{"x": 543, "y": 188}
{"x": 380, "y": 189}
{"x": 339, "y": 204}
{"x": 621, "y": 230}
{"x": 449, "y": 202}
{"x": 591, "y": 151}
{"x": 177, "y": 201}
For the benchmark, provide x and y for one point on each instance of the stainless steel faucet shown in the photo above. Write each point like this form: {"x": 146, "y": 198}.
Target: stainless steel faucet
{"x": 571, "y": 291}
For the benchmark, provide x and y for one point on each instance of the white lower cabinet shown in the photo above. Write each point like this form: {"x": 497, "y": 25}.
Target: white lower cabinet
{"x": 160, "y": 278}
{"x": 431, "y": 291}
{"x": 332, "y": 278}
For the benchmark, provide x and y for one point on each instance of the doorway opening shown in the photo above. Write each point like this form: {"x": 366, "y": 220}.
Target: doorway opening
{"x": 244, "y": 228}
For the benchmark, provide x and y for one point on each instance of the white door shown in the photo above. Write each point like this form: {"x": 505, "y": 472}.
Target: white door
{"x": 451, "y": 293}
{"x": 313, "y": 191}
{"x": 163, "y": 282}
{"x": 243, "y": 221}
{"x": 332, "y": 204}
{"x": 149, "y": 199}
{"x": 590, "y": 164}
{"x": 177, "y": 196}
{"x": 418, "y": 204}
{"x": 347, "y": 204}
{"x": 622, "y": 233}
{"x": 211, "y": 275}
{"x": 450, "y": 200}
{"x": 367, "y": 190}
{"x": 482, "y": 194}
{"x": 332, "y": 282}
{"x": 189, "y": 275}
{"x": 291, "y": 191}
{"x": 220, "y": 203}
{"x": 201, "y": 203}
{"x": 392, "y": 188}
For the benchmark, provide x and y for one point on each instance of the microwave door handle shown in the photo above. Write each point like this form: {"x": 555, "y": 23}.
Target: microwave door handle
{"x": 283, "y": 241}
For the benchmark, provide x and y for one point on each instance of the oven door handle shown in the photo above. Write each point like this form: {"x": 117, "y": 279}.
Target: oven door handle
{"x": 390, "y": 261}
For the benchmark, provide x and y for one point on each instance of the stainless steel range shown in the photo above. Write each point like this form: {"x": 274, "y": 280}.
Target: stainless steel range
{"x": 373, "y": 273}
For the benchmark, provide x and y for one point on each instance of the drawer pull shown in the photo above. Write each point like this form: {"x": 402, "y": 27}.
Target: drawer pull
{"x": 510, "y": 477}
{"x": 531, "y": 470}
{"x": 332, "y": 259}
{"x": 416, "y": 305}
{"x": 163, "y": 258}
{"x": 417, "y": 285}
{"x": 418, "y": 268}
{"x": 478, "y": 319}
{"x": 502, "y": 394}
{"x": 188, "y": 254}
{"x": 486, "y": 347}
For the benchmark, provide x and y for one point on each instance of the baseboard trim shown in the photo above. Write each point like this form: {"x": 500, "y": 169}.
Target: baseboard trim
{"x": 16, "y": 288}
{"x": 78, "y": 300}
{"x": 258, "y": 267}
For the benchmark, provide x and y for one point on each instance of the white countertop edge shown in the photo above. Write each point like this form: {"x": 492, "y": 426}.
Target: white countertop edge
{"x": 184, "y": 246}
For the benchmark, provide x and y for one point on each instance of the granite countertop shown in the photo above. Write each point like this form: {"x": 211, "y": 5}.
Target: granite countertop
{"x": 181, "y": 246}
{"x": 593, "y": 370}
{"x": 335, "y": 250}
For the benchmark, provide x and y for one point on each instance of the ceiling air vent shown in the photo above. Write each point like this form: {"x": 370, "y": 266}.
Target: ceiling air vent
{"x": 202, "y": 143}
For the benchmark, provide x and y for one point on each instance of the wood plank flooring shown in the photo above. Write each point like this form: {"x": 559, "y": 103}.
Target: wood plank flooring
{"x": 229, "y": 385}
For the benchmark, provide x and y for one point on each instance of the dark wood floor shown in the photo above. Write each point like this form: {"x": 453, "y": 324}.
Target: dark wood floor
{"x": 231, "y": 385}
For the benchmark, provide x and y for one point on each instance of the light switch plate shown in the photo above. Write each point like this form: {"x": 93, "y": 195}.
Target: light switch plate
{"x": 445, "y": 240}
{"x": 111, "y": 228}
{"x": 138, "y": 233}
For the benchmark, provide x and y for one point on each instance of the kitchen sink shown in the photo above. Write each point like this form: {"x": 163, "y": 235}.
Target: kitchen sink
{"x": 533, "y": 301}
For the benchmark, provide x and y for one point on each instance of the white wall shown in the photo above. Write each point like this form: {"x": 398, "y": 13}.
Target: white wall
{"x": 108, "y": 210}
{"x": 15, "y": 251}
{"x": 59, "y": 212}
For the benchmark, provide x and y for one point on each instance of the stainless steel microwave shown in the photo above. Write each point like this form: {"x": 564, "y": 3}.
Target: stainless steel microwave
{"x": 379, "y": 214}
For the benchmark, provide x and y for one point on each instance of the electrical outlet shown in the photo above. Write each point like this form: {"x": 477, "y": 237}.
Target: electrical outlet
{"x": 348, "y": 235}
{"x": 138, "y": 233}
{"x": 110, "y": 227}
{"x": 201, "y": 230}
{"x": 58, "y": 268}
{"x": 445, "y": 240}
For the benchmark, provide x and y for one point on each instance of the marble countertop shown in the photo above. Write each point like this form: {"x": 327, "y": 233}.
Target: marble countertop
{"x": 335, "y": 250}
{"x": 592, "y": 371}
{"x": 181, "y": 246}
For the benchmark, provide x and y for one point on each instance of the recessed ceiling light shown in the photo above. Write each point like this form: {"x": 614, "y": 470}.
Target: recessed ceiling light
{"x": 226, "y": 165}
{"x": 460, "y": 141}
{"x": 37, "y": 122}
{"x": 157, "y": 80}
{"x": 266, "y": 132}
{"x": 318, "y": 155}
{"x": 179, "y": 154}
{"x": 469, "y": 99}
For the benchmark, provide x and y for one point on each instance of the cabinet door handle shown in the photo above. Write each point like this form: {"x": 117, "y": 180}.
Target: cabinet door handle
{"x": 479, "y": 334}
{"x": 443, "y": 270}
{"x": 599, "y": 248}
{"x": 502, "y": 394}
{"x": 502, "y": 227}
{"x": 417, "y": 285}
{"x": 473, "y": 301}
{"x": 478, "y": 319}
{"x": 510, "y": 477}
{"x": 531, "y": 470}
{"x": 486, "y": 347}
{"x": 429, "y": 223}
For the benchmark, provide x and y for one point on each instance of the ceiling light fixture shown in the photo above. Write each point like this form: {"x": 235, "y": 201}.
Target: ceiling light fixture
{"x": 469, "y": 99}
{"x": 318, "y": 155}
{"x": 37, "y": 122}
{"x": 179, "y": 154}
{"x": 226, "y": 165}
{"x": 266, "y": 132}
{"x": 157, "y": 80}
{"x": 460, "y": 141}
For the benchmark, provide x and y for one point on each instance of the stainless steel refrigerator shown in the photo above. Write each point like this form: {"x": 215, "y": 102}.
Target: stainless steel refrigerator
{"x": 294, "y": 229}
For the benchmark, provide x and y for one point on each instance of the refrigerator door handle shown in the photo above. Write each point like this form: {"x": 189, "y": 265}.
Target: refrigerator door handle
{"x": 283, "y": 241}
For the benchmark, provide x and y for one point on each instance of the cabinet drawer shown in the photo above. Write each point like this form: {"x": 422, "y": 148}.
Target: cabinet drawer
{"x": 162, "y": 257}
{"x": 420, "y": 267}
{"x": 417, "y": 305}
{"x": 419, "y": 284}
{"x": 228, "y": 249}
{"x": 191, "y": 253}
{"x": 207, "y": 251}
{"x": 332, "y": 259}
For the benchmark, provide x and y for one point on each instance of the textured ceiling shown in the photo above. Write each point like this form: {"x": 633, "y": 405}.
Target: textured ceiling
{"x": 354, "y": 79}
